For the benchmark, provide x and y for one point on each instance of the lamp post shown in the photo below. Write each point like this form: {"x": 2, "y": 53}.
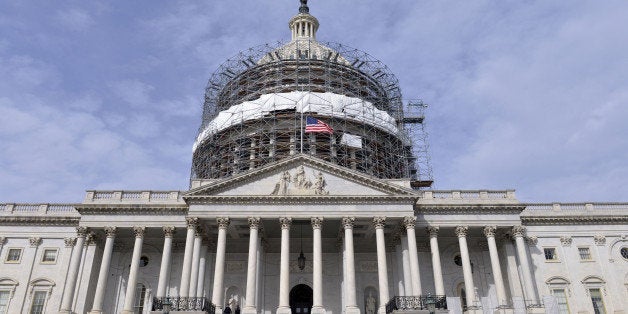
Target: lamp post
{"x": 301, "y": 258}
{"x": 431, "y": 304}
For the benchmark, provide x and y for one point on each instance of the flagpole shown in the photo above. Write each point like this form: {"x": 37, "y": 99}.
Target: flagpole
{"x": 301, "y": 129}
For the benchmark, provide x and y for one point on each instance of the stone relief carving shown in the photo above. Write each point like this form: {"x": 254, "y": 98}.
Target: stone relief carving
{"x": 599, "y": 239}
{"x": 235, "y": 266}
{"x": 565, "y": 240}
{"x": 368, "y": 266}
{"x": 299, "y": 184}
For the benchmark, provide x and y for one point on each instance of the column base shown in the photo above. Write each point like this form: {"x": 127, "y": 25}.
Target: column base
{"x": 352, "y": 310}
{"x": 249, "y": 310}
{"x": 284, "y": 310}
{"x": 318, "y": 310}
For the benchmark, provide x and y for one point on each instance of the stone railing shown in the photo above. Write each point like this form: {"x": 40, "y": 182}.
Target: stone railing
{"x": 132, "y": 196}
{"x": 575, "y": 208}
{"x": 466, "y": 195}
{"x": 38, "y": 209}
{"x": 416, "y": 303}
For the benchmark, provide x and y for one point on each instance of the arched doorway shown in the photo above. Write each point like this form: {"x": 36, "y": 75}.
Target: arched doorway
{"x": 301, "y": 299}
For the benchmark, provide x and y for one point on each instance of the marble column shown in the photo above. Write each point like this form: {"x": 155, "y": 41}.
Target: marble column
{"x": 351, "y": 301}
{"x": 184, "y": 288}
{"x": 317, "y": 266}
{"x": 518, "y": 232}
{"x": 251, "y": 273}
{"x": 409, "y": 222}
{"x": 75, "y": 262}
{"x": 284, "y": 272}
{"x": 202, "y": 265}
{"x": 129, "y": 298}
{"x": 219, "y": 269}
{"x": 489, "y": 232}
{"x": 439, "y": 287}
{"x": 405, "y": 254}
{"x": 469, "y": 287}
{"x": 196, "y": 259}
{"x": 164, "y": 271}
{"x": 382, "y": 268}
{"x": 103, "y": 275}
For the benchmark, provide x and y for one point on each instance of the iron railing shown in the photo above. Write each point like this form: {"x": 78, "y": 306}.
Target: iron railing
{"x": 408, "y": 303}
{"x": 183, "y": 304}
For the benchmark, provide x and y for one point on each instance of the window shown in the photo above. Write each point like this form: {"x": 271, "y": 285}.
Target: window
{"x": 140, "y": 292}
{"x": 585, "y": 253}
{"x": 561, "y": 299}
{"x": 4, "y": 301}
{"x": 624, "y": 252}
{"x": 14, "y": 256}
{"x": 550, "y": 254}
{"x": 49, "y": 256}
{"x": 596, "y": 300}
{"x": 143, "y": 261}
{"x": 39, "y": 300}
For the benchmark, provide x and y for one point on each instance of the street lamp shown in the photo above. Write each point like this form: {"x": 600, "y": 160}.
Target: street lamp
{"x": 301, "y": 259}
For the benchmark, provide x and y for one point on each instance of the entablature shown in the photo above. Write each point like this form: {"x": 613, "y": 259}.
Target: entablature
{"x": 575, "y": 213}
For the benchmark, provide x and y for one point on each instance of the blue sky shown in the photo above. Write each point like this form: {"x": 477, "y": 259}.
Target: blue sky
{"x": 530, "y": 95}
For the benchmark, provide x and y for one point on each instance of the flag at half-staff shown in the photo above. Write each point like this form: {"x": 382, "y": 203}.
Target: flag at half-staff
{"x": 313, "y": 125}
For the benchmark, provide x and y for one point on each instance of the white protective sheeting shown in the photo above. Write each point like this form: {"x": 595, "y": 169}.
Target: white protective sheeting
{"x": 328, "y": 104}
{"x": 351, "y": 140}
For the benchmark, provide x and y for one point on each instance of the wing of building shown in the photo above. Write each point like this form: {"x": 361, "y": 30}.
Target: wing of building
{"x": 338, "y": 219}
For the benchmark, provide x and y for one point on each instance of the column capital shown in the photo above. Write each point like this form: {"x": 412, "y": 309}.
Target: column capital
{"x": 34, "y": 241}
{"x": 461, "y": 231}
{"x": 81, "y": 231}
{"x": 192, "y": 222}
{"x": 379, "y": 222}
{"x": 69, "y": 242}
{"x": 2, "y": 240}
{"x": 433, "y": 231}
{"x": 254, "y": 222}
{"x": 110, "y": 231}
{"x": 489, "y": 231}
{"x": 169, "y": 231}
{"x": 518, "y": 231}
{"x": 317, "y": 222}
{"x": 285, "y": 222}
{"x": 139, "y": 231}
{"x": 348, "y": 222}
{"x": 223, "y": 222}
{"x": 409, "y": 222}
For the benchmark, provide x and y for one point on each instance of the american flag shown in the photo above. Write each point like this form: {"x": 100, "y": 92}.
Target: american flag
{"x": 313, "y": 125}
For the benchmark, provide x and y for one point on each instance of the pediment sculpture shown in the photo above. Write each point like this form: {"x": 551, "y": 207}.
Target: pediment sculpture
{"x": 299, "y": 184}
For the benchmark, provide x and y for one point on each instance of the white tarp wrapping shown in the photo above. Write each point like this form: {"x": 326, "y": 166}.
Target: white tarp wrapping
{"x": 351, "y": 140}
{"x": 329, "y": 104}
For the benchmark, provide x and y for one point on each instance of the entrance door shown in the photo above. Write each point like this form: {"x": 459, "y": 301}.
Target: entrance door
{"x": 301, "y": 299}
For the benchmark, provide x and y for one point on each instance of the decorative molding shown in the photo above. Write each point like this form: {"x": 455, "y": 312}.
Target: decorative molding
{"x": 301, "y": 184}
{"x": 117, "y": 209}
{"x": 3, "y": 240}
{"x": 69, "y": 242}
{"x": 565, "y": 240}
{"x": 285, "y": 222}
{"x": 579, "y": 220}
{"x": 518, "y": 231}
{"x": 90, "y": 239}
{"x": 254, "y": 222}
{"x": 192, "y": 222}
{"x": 348, "y": 222}
{"x": 317, "y": 222}
{"x": 38, "y": 220}
{"x": 34, "y": 241}
{"x": 532, "y": 240}
{"x": 461, "y": 231}
{"x": 169, "y": 231}
{"x": 304, "y": 199}
{"x": 469, "y": 209}
{"x": 223, "y": 222}
{"x": 139, "y": 231}
{"x": 110, "y": 231}
{"x": 379, "y": 222}
{"x": 409, "y": 222}
{"x": 599, "y": 239}
{"x": 489, "y": 231}
{"x": 433, "y": 231}
{"x": 81, "y": 231}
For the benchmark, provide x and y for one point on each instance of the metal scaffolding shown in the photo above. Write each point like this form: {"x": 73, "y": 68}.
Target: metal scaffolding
{"x": 255, "y": 103}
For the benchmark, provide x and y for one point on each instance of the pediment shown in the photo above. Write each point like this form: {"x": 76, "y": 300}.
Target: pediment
{"x": 301, "y": 175}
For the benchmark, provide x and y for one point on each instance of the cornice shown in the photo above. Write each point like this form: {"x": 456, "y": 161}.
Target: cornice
{"x": 39, "y": 220}
{"x": 454, "y": 209}
{"x": 132, "y": 209}
{"x": 570, "y": 220}
{"x": 302, "y": 199}
{"x": 250, "y": 176}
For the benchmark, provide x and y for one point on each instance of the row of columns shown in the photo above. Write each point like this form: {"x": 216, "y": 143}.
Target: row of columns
{"x": 192, "y": 276}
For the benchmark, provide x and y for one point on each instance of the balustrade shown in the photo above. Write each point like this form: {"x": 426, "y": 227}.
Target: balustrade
{"x": 413, "y": 303}
{"x": 183, "y": 304}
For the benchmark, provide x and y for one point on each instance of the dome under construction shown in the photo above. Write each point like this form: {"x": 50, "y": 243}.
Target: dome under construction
{"x": 326, "y": 100}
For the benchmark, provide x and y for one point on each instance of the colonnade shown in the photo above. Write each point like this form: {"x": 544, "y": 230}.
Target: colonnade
{"x": 194, "y": 259}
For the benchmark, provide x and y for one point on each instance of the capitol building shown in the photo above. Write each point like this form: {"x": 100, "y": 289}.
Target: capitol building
{"x": 310, "y": 192}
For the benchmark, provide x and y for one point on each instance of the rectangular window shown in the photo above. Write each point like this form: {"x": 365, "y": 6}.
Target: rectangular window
{"x": 561, "y": 299}
{"x": 550, "y": 254}
{"x": 4, "y": 301}
{"x": 14, "y": 255}
{"x": 49, "y": 256}
{"x": 39, "y": 299}
{"x": 585, "y": 253}
{"x": 596, "y": 299}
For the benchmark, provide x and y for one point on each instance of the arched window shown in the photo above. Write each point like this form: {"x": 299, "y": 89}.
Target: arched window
{"x": 40, "y": 290}
{"x": 7, "y": 288}
{"x": 596, "y": 289}
{"x": 559, "y": 288}
{"x": 140, "y": 298}
{"x": 462, "y": 293}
